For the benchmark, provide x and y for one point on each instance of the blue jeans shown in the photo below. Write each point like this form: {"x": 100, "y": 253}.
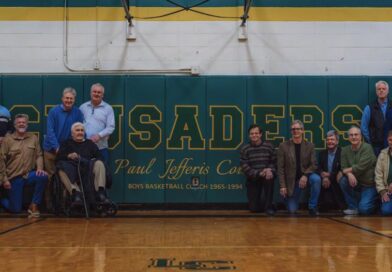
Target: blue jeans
{"x": 15, "y": 194}
{"x": 359, "y": 198}
{"x": 292, "y": 202}
{"x": 386, "y": 207}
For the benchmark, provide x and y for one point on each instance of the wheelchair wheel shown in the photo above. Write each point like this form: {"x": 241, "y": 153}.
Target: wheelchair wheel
{"x": 112, "y": 210}
{"x": 58, "y": 196}
{"x": 104, "y": 210}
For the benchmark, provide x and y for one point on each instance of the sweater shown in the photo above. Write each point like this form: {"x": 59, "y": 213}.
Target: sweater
{"x": 362, "y": 161}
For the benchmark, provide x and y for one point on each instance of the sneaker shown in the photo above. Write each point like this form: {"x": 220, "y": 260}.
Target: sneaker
{"x": 33, "y": 210}
{"x": 313, "y": 212}
{"x": 350, "y": 212}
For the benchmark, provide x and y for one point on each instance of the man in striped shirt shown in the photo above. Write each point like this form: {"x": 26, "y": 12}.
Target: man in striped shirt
{"x": 258, "y": 163}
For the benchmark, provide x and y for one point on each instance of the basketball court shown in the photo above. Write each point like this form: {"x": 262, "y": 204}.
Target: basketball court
{"x": 196, "y": 241}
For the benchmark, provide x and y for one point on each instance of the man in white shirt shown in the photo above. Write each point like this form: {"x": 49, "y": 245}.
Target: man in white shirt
{"x": 98, "y": 119}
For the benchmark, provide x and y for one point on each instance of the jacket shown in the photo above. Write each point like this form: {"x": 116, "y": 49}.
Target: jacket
{"x": 382, "y": 171}
{"x": 287, "y": 163}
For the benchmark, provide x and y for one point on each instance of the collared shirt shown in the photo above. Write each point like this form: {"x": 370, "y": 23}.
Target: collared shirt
{"x": 331, "y": 157}
{"x": 366, "y": 119}
{"x": 98, "y": 120}
{"x": 59, "y": 125}
{"x": 21, "y": 155}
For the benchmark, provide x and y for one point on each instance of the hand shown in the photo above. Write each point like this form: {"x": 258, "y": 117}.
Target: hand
{"x": 390, "y": 188}
{"x": 7, "y": 185}
{"x": 326, "y": 183}
{"x": 95, "y": 138}
{"x": 41, "y": 173}
{"x": 269, "y": 174}
{"x": 339, "y": 176}
{"x": 1, "y": 140}
{"x": 352, "y": 180}
{"x": 347, "y": 170}
{"x": 283, "y": 192}
{"x": 73, "y": 156}
{"x": 302, "y": 182}
{"x": 385, "y": 198}
{"x": 325, "y": 174}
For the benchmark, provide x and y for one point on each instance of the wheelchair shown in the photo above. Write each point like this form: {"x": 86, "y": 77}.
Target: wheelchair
{"x": 62, "y": 203}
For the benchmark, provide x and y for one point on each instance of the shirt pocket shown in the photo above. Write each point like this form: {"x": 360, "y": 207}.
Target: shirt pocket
{"x": 13, "y": 153}
{"x": 30, "y": 151}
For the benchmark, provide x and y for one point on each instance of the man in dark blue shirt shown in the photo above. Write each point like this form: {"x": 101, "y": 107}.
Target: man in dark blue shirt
{"x": 58, "y": 129}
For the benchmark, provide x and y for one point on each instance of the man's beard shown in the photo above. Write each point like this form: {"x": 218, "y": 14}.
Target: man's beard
{"x": 21, "y": 130}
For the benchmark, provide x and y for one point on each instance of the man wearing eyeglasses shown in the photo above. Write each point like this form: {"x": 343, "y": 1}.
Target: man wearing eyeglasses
{"x": 296, "y": 167}
{"x": 98, "y": 119}
{"x": 357, "y": 183}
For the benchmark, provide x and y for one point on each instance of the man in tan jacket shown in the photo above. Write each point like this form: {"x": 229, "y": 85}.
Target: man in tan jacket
{"x": 23, "y": 165}
{"x": 383, "y": 177}
{"x": 296, "y": 166}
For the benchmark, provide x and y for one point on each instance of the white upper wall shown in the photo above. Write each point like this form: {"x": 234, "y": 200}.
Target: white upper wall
{"x": 272, "y": 48}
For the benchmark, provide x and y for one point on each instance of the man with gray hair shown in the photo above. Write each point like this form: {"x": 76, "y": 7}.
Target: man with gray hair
{"x": 22, "y": 156}
{"x": 296, "y": 168}
{"x": 357, "y": 183}
{"x": 98, "y": 119}
{"x": 373, "y": 118}
{"x": 329, "y": 169}
{"x": 79, "y": 155}
{"x": 58, "y": 129}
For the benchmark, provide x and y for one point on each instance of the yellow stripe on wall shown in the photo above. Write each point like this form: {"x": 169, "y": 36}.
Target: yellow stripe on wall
{"x": 256, "y": 14}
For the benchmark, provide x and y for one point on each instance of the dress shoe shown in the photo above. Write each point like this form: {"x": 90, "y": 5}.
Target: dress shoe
{"x": 313, "y": 212}
{"x": 76, "y": 199}
{"x": 101, "y": 198}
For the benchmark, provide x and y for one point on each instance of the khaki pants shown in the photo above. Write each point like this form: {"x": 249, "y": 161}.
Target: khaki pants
{"x": 50, "y": 163}
{"x": 50, "y": 168}
{"x": 99, "y": 178}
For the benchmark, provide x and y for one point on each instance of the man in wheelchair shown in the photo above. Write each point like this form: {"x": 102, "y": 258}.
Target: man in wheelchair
{"x": 81, "y": 169}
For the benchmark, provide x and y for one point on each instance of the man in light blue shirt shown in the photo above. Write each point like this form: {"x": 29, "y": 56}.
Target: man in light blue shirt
{"x": 373, "y": 123}
{"x": 98, "y": 119}
{"x": 5, "y": 122}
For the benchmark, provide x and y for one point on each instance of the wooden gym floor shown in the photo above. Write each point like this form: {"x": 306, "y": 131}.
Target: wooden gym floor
{"x": 196, "y": 241}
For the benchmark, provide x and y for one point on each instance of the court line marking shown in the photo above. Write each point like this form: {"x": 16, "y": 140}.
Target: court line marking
{"x": 360, "y": 228}
{"x": 385, "y": 231}
{"x": 22, "y": 226}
